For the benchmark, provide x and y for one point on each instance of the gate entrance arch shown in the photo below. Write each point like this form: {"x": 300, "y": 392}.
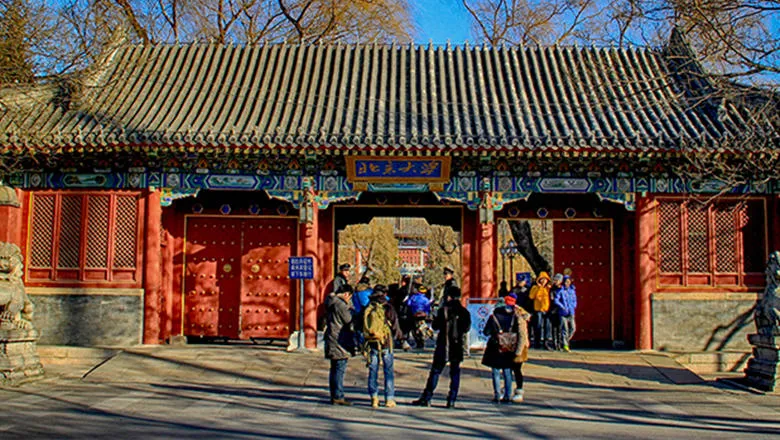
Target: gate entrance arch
{"x": 434, "y": 247}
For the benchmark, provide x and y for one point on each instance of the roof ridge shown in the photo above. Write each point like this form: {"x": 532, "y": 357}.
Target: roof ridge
{"x": 448, "y": 45}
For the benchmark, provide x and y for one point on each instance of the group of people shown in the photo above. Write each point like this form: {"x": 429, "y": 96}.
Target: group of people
{"x": 552, "y": 304}
{"x": 415, "y": 304}
{"x": 374, "y": 329}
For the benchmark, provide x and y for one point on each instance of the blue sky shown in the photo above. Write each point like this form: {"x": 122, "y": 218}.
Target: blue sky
{"x": 441, "y": 20}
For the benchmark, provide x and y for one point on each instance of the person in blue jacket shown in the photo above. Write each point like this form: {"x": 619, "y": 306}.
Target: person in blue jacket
{"x": 418, "y": 303}
{"x": 566, "y": 300}
{"x": 419, "y": 307}
{"x": 360, "y": 300}
{"x": 361, "y": 297}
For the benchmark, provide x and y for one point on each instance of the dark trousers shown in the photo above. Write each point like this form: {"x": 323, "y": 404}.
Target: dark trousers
{"x": 555, "y": 327}
{"x": 338, "y": 368}
{"x": 542, "y": 328}
{"x": 518, "y": 370}
{"x": 433, "y": 380}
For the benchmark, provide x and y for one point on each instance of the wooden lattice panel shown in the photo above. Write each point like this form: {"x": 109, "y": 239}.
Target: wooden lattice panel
{"x": 98, "y": 216}
{"x": 70, "y": 233}
{"x": 753, "y": 226}
{"x": 726, "y": 218}
{"x": 42, "y": 239}
{"x": 126, "y": 243}
{"x": 698, "y": 244}
{"x": 84, "y": 236}
{"x": 669, "y": 237}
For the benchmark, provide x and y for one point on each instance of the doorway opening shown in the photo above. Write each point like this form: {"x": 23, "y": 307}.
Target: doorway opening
{"x": 581, "y": 249}
{"x": 383, "y": 244}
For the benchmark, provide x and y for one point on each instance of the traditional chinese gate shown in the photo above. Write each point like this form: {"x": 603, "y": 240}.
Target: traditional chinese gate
{"x": 586, "y": 248}
{"x": 236, "y": 279}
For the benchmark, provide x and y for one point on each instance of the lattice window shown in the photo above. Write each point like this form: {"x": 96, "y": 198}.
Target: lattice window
{"x": 42, "y": 243}
{"x": 75, "y": 234}
{"x": 698, "y": 244}
{"x": 70, "y": 233}
{"x": 97, "y": 231}
{"x": 726, "y": 238}
{"x": 669, "y": 237}
{"x": 125, "y": 238}
{"x": 752, "y": 226}
{"x": 711, "y": 244}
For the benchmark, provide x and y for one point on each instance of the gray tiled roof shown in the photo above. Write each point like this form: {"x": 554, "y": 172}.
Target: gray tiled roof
{"x": 367, "y": 97}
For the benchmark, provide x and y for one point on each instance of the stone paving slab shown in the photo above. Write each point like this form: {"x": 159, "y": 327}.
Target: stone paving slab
{"x": 259, "y": 392}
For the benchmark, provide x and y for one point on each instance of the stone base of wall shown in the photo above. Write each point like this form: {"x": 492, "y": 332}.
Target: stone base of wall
{"x": 19, "y": 361}
{"x": 711, "y": 362}
{"x": 703, "y": 322}
{"x": 88, "y": 317}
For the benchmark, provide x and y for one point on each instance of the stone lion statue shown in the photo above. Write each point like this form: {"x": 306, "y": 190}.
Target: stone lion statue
{"x": 767, "y": 315}
{"x": 15, "y": 307}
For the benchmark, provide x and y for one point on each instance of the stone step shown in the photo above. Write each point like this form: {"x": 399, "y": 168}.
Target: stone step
{"x": 708, "y": 362}
{"x": 63, "y": 355}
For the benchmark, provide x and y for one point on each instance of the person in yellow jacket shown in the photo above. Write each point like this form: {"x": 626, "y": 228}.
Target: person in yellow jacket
{"x": 540, "y": 295}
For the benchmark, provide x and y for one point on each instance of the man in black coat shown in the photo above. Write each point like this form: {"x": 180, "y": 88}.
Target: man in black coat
{"x": 453, "y": 322}
{"x": 342, "y": 278}
{"x": 449, "y": 286}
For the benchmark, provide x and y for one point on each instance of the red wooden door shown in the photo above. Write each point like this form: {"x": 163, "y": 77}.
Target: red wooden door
{"x": 266, "y": 289}
{"x": 212, "y": 278}
{"x": 586, "y": 248}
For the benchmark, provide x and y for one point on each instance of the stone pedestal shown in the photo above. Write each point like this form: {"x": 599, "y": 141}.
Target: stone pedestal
{"x": 19, "y": 361}
{"x": 762, "y": 370}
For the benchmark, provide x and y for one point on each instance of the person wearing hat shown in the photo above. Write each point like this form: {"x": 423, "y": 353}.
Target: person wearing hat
{"x": 453, "y": 322}
{"x": 449, "y": 284}
{"x": 508, "y": 319}
{"x": 554, "y": 314}
{"x": 566, "y": 300}
{"x": 419, "y": 306}
{"x": 382, "y": 346}
{"x": 339, "y": 341}
{"x": 342, "y": 277}
{"x": 540, "y": 295}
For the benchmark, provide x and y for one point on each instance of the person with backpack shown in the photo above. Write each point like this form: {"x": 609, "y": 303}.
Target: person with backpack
{"x": 507, "y": 348}
{"x": 419, "y": 307}
{"x": 380, "y": 329}
{"x": 361, "y": 297}
{"x": 452, "y": 321}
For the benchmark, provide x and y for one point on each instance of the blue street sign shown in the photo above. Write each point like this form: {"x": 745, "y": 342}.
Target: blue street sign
{"x": 301, "y": 268}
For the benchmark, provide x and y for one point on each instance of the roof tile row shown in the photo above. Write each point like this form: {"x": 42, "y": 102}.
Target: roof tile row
{"x": 374, "y": 96}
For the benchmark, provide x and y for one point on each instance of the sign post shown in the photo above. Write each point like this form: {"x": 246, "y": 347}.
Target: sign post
{"x": 301, "y": 268}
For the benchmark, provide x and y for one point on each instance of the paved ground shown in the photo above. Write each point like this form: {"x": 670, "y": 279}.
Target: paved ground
{"x": 255, "y": 392}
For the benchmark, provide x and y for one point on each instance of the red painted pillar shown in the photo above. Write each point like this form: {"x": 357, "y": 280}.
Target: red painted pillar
{"x": 152, "y": 268}
{"x": 11, "y": 222}
{"x": 487, "y": 258}
{"x": 166, "y": 294}
{"x": 470, "y": 278}
{"x": 775, "y": 206}
{"x": 646, "y": 270}
{"x": 310, "y": 239}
